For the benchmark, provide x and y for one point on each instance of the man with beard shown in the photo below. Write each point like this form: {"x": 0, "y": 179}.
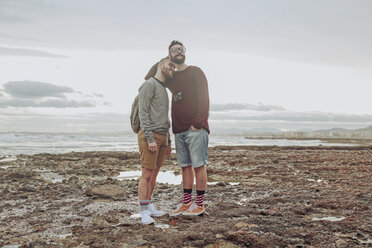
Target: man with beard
{"x": 190, "y": 111}
{"x": 153, "y": 138}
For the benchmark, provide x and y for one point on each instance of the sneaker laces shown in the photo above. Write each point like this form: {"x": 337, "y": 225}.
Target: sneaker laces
{"x": 151, "y": 208}
{"x": 192, "y": 207}
{"x": 179, "y": 206}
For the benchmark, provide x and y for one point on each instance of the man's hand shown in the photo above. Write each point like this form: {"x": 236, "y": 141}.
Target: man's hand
{"x": 153, "y": 147}
{"x": 169, "y": 151}
{"x": 193, "y": 128}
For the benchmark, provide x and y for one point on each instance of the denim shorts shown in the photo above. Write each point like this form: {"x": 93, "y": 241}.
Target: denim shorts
{"x": 192, "y": 148}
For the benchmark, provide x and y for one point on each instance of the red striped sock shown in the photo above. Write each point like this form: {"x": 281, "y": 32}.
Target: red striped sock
{"x": 187, "y": 194}
{"x": 199, "y": 197}
{"x": 144, "y": 204}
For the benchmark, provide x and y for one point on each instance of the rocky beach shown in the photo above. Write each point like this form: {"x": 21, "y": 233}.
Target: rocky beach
{"x": 258, "y": 196}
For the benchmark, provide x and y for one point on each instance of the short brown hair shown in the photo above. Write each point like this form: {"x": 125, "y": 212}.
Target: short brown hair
{"x": 162, "y": 61}
{"x": 153, "y": 69}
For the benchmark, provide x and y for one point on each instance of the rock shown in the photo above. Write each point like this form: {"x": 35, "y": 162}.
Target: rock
{"x": 73, "y": 179}
{"x": 222, "y": 244}
{"x": 197, "y": 243}
{"x": 223, "y": 184}
{"x": 107, "y": 191}
{"x": 341, "y": 244}
{"x": 67, "y": 221}
{"x": 138, "y": 242}
{"x": 17, "y": 175}
{"x": 38, "y": 243}
{"x": 99, "y": 222}
{"x": 28, "y": 188}
{"x": 240, "y": 225}
{"x": 219, "y": 236}
{"x": 148, "y": 237}
{"x": 99, "y": 172}
{"x": 252, "y": 225}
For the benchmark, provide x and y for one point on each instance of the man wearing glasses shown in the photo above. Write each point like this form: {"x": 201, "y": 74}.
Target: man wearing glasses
{"x": 190, "y": 111}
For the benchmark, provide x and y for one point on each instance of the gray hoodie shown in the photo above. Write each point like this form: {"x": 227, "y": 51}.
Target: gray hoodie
{"x": 153, "y": 109}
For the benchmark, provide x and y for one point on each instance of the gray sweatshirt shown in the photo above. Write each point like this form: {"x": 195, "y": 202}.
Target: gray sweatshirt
{"x": 153, "y": 109}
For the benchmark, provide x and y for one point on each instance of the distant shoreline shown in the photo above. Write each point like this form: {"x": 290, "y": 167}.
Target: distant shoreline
{"x": 327, "y": 140}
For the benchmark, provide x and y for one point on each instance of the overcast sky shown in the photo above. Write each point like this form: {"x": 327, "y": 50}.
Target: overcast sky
{"x": 282, "y": 64}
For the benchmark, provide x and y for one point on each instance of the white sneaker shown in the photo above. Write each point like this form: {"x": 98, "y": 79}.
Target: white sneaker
{"x": 146, "y": 218}
{"x": 154, "y": 212}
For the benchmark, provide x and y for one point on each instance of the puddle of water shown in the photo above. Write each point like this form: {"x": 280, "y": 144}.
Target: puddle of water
{"x": 369, "y": 241}
{"x": 329, "y": 218}
{"x": 162, "y": 226}
{"x": 227, "y": 183}
{"x": 163, "y": 176}
{"x": 318, "y": 181}
{"x": 50, "y": 176}
{"x": 127, "y": 175}
{"x": 212, "y": 183}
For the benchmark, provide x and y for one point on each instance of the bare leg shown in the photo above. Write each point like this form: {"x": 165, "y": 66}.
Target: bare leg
{"x": 201, "y": 177}
{"x": 152, "y": 182}
{"x": 187, "y": 177}
{"x": 144, "y": 184}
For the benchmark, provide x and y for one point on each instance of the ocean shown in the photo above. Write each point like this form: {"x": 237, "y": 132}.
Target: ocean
{"x": 32, "y": 143}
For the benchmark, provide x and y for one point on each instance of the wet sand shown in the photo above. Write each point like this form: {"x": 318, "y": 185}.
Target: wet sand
{"x": 261, "y": 197}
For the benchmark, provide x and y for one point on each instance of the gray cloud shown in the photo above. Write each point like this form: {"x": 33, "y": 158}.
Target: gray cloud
{"x": 313, "y": 32}
{"x": 12, "y": 19}
{"x": 287, "y": 116}
{"x": 98, "y": 95}
{"x": 23, "y": 120}
{"x": 15, "y": 38}
{"x": 5, "y": 51}
{"x": 55, "y": 103}
{"x": 34, "y": 89}
{"x": 244, "y": 106}
{"x": 21, "y": 94}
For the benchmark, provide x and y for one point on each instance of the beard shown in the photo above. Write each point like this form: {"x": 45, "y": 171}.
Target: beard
{"x": 168, "y": 74}
{"x": 178, "y": 61}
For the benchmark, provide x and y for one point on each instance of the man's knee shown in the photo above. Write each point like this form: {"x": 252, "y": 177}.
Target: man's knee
{"x": 186, "y": 168}
{"x": 200, "y": 169}
{"x": 155, "y": 172}
{"x": 147, "y": 174}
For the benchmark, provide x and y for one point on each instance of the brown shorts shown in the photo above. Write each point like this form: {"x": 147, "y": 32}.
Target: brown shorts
{"x": 152, "y": 160}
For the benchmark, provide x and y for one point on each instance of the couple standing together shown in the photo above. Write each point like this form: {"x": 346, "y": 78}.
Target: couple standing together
{"x": 190, "y": 110}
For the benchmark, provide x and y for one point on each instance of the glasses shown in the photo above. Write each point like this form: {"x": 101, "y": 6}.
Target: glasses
{"x": 178, "y": 50}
